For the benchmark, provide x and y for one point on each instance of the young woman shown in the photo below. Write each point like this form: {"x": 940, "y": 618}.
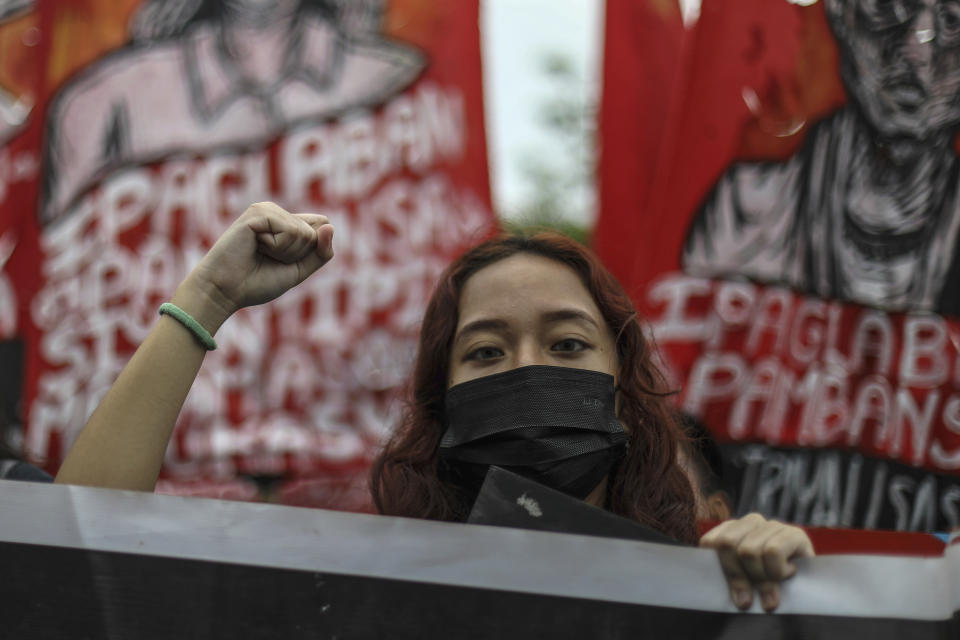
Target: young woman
{"x": 515, "y": 329}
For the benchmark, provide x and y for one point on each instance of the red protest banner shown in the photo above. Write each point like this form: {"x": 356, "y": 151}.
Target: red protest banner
{"x": 19, "y": 70}
{"x": 796, "y": 252}
{"x": 161, "y": 122}
{"x": 641, "y": 71}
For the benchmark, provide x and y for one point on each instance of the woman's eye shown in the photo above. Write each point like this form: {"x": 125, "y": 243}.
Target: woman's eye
{"x": 484, "y": 353}
{"x": 569, "y": 344}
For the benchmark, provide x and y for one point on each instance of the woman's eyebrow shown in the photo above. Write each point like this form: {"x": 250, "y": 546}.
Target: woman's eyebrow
{"x": 565, "y": 315}
{"x": 477, "y": 326}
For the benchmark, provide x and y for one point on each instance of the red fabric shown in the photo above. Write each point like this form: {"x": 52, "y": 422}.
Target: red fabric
{"x": 642, "y": 71}
{"x": 828, "y": 541}
{"x": 681, "y": 92}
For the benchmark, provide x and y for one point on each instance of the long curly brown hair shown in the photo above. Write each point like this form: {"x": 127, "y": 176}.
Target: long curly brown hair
{"x": 647, "y": 485}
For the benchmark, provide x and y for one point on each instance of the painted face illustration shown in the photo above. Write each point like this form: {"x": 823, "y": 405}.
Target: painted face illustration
{"x": 901, "y": 63}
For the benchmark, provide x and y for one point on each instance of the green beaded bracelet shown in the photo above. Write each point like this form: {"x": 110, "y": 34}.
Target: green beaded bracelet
{"x": 202, "y": 335}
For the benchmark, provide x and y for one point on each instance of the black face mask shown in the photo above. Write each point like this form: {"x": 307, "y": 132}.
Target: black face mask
{"x": 554, "y": 425}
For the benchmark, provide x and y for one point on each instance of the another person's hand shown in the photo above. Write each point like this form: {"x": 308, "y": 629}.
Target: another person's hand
{"x": 265, "y": 252}
{"x": 757, "y": 553}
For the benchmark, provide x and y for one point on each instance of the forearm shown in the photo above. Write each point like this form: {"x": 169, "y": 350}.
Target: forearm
{"x": 123, "y": 443}
{"x": 265, "y": 252}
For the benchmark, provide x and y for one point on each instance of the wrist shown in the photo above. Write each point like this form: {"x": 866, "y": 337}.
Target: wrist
{"x": 204, "y": 301}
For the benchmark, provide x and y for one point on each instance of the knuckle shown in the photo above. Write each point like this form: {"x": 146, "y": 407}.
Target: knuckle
{"x": 255, "y": 209}
{"x": 773, "y": 553}
{"x": 750, "y": 551}
{"x": 265, "y": 207}
{"x": 720, "y": 542}
{"x": 708, "y": 537}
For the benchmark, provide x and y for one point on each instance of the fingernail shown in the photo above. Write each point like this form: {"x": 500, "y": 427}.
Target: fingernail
{"x": 742, "y": 598}
{"x": 769, "y": 602}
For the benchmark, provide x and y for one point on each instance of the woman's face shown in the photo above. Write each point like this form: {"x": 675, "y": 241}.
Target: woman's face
{"x": 528, "y": 310}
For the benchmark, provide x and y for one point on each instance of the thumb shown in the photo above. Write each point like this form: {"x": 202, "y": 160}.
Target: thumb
{"x": 324, "y": 233}
{"x": 321, "y": 254}
{"x": 325, "y": 242}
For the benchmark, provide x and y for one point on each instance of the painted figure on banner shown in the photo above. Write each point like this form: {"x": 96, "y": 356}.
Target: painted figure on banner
{"x": 868, "y": 210}
{"x": 151, "y": 148}
{"x": 218, "y": 74}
